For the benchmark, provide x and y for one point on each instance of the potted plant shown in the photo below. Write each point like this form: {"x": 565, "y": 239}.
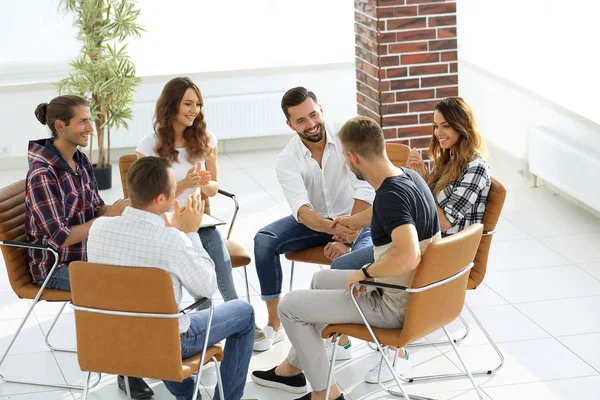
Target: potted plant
{"x": 103, "y": 72}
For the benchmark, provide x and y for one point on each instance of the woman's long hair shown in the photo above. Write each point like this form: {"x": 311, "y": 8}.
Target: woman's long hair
{"x": 167, "y": 108}
{"x": 458, "y": 114}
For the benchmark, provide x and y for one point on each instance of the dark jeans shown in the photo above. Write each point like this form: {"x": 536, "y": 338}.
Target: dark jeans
{"x": 281, "y": 237}
{"x": 233, "y": 321}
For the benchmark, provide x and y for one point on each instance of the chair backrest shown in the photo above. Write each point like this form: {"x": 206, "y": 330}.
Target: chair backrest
{"x": 397, "y": 153}
{"x": 124, "y": 164}
{"x": 12, "y": 227}
{"x": 429, "y": 310}
{"x": 126, "y": 345}
{"x": 493, "y": 208}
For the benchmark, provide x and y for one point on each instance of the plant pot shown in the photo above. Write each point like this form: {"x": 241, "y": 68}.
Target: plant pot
{"x": 103, "y": 176}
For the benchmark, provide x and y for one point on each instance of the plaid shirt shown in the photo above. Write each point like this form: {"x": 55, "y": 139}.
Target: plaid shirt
{"x": 463, "y": 201}
{"x": 57, "y": 198}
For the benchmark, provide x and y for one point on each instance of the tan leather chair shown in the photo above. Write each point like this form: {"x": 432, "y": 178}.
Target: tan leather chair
{"x": 126, "y": 320}
{"x": 239, "y": 256}
{"x": 493, "y": 208}
{"x": 435, "y": 299}
{"x": 14, "y": 250}
{"x": 398, "y": 155}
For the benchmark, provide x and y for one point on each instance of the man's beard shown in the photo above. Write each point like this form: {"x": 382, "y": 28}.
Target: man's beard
{"x": 356, "y": 172}
{"x": 314, "y": 139}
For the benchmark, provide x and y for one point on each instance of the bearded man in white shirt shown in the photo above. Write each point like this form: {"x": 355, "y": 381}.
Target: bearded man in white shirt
{"x": 318, "y": 187}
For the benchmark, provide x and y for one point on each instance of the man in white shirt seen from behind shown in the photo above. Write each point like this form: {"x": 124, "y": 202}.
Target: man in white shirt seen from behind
{"x": 141, "y": 237}
{"x": 318, "y": 187}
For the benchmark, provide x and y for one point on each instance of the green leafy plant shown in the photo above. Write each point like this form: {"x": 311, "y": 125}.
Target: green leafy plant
{"x": 103, "y": 72}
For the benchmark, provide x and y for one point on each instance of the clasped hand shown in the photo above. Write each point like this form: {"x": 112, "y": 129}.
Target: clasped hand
{"x": 188, "y": 218}
{"x": 197, "y": 177}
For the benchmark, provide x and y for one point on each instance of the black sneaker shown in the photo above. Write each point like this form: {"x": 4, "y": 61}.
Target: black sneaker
{"x": 307, "y": 396}
{"x": 292, "y": 384}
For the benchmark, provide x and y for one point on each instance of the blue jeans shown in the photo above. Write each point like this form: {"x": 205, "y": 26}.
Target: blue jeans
{"x": 59, "y": 279}
{"x": 233, "y": 321}
{"x": 281, "y": 237}
{"x": 355, "y": 260}
{"x": 213, "y": 243}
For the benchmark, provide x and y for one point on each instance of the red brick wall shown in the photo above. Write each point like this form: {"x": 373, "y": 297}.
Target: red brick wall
{"x": 406, "y": 61}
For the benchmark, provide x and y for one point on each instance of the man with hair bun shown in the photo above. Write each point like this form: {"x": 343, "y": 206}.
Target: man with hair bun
{"x": 62, "y": 199}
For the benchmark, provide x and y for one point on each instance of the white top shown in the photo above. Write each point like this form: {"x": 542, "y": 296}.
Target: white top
{"x": 140, "y": 239}
{"x": 147, "y": 146}
{"x": 329, "y": 190}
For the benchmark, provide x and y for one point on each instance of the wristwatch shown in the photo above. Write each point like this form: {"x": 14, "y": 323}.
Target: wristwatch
{"x": 365, "y": 272}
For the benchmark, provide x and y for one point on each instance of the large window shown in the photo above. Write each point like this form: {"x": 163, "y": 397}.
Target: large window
{"x": 191, "y": 36}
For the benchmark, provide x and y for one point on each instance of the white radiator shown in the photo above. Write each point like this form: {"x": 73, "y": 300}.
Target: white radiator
{"x": 228, "y": 117}
{"x": 568, "y": 165}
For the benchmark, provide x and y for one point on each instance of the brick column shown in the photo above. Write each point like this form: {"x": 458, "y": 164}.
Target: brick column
{"x": 406, "y": 61}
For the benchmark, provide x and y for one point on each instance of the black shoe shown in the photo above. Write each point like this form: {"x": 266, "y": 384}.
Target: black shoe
{"x": 139, "y": 389}
{"x": 292, "y": 384}
{"x": 307, "y": 396}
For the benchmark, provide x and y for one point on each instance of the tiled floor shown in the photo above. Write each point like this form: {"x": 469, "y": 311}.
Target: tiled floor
{"x": 539, "y": 302}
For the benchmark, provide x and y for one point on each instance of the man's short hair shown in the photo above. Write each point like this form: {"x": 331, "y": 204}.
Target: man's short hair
{"x": 294, "y": 97}
{"x": 147, "y": 178}
{"x": 363, "y": 136}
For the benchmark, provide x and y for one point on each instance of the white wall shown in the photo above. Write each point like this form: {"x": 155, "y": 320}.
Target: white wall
{"x": 531, "y": 63}
{"x": 234, "y": 49}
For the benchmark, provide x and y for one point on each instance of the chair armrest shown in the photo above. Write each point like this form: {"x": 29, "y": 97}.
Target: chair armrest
{"x": 26, "y": 245}
{"x": 414, "y": 290}
{"x": 192, "y": 307}
{"x": 235, "y": 212}
{"x": 488, "y": 233}
{"x": 226, "y": 193}
{"x": 43, "y": 247}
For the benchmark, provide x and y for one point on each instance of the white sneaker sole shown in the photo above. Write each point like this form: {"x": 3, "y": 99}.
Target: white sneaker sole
{"x": 266, "y": 344}
{"x": 278, "y": 385}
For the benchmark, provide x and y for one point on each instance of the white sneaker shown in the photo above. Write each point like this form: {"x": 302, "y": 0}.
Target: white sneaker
{"x": 342, "y": 353}
{"x": 272, "y": 337}
{"x": 401, "y": 365}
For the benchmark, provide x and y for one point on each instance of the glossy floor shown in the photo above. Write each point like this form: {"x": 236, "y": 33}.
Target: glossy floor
{"x": 539, "y": 302}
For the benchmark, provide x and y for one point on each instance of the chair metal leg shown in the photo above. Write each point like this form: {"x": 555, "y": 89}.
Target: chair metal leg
{"x": 86, "y": 386}
{"x": 331, "y": 366}
{"x": 463, "y": 364}
{"x": 463, "y": 374}
{"x": 47, "y": 336}
{"x": 127, "y": 388}
{"x": 14, "y": 338}
{"x": 456, "y": 340}
{"x": 219, "y": 380}
{"x": 292, "y": 275}
{"x": 247, "y": 284}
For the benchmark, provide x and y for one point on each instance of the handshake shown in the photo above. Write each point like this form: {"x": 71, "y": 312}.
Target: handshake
{"x": 344, "y": 229}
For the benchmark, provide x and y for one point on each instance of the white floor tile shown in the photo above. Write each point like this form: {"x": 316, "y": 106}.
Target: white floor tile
{"x": 30, "y": 340}
{"x": 565, "y": 317}
{"x": 535, "y": 199}
{"x": 547, "y": 223}
{"x": 578, "y": 249}
{"x": 484, "y": 296}
{"x": 592, "y": 269}
{"x": 522, "y": 254}
{"x": 40, "y": 367}
{"x": 547, "y": 283}
{"x": 563, "y": 389}
{"x": 52, "y": 395}
{"x": 585, "y": 346}
{"x": 12, "y": 306}
{"x": 507, "y": 231}
{"x": 527, "y": 361}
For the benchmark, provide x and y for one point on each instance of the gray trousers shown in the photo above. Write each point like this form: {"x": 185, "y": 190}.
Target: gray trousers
{"x": 305, "y": 313}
